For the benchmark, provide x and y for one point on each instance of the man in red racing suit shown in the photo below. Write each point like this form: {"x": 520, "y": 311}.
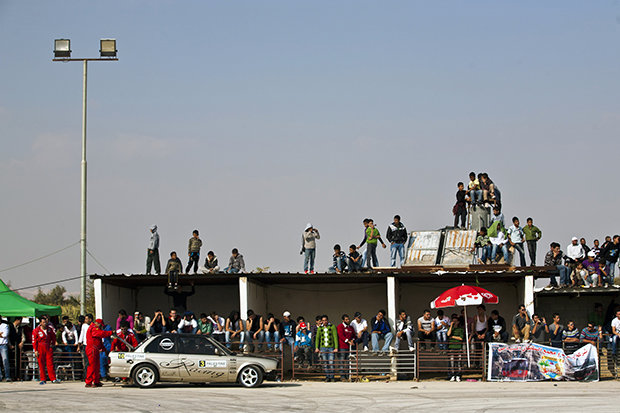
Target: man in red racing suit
{"x": 94, "y": 345}
{"x": 43, "y": 340}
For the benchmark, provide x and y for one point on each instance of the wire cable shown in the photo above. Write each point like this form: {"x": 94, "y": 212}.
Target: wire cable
{"x": 42, "y": 284}
{"x": 97, "y": 261}
{"x": 40, "y": 258}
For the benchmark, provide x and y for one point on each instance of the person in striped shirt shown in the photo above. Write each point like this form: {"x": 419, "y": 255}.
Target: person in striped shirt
{"x": 590, "y": 334}
{"x": 570, "y": 337}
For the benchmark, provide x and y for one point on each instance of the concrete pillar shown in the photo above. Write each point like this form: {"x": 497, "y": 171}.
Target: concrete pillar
{"x": 392, "y": 300}
{"x": 528, "y": 293}
{"x": 98, "y": 290}
{"x": 243, "y": 297}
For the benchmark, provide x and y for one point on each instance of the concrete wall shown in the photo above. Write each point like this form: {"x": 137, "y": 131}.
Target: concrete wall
{"x": 310, "y": 300}
{"x": 416, "y": 297}
{"x": 113, "y": 299}
{"x": 574, "y": 308}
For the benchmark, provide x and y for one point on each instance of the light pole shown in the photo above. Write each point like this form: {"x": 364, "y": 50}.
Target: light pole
{"x": 62, "y": 53}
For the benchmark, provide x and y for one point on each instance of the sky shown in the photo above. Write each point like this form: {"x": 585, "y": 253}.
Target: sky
{"x": 246, "y": 120}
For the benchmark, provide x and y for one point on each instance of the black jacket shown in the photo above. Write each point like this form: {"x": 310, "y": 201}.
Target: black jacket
{"x": 397, "y": 233}
{"x": 610, "y": 253}
{"x": 500, "y": 322}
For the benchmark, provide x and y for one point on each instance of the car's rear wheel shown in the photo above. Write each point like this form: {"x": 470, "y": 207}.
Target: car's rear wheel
{"x": 145, "y": 375}
{"x": 251, "y": 376}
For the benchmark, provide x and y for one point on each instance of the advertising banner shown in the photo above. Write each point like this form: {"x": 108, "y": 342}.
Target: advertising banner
{"x": 535, "y": 362}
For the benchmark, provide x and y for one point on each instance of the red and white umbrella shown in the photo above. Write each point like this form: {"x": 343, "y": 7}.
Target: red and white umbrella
{"x": 464, "y": 295}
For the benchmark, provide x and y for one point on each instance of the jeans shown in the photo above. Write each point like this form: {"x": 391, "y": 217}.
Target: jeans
{"x": 614, "y": 344}
{"x": 397, "y": 249}
{"x": 343, "y": 362}
{"x": 194, "y": 257}
{"x": 327, "y": 357}
{"x": 290, "y": 341}
{"x": 442, "y": 339}
{"x": 564, "y": 275}
{"x": 519, "y": 247}
{"x": 531, "y": 248}
{"x": 456, "y": 362}
{"x": 476, "y": 195}
{"x": 341, "y": 265}
{"x": 304, "y": 354}
{"x": 272, "y": 339}
{"x": 237, "y": 338}
{"x": 154, "y": 332}
{"x": 152, "y": 257}
{"x": 354, "y": 266}
{"x": 422, "y": 338}
{"x": 309, "y": 255}
{"x": 4, "y": 354}
{"x": 485, "y": 254}
{"x": 371, "y": 255}
{"x": 591, "y": 280}
{"x": 386, "y": 345}
{"x": 364, "y": 255}
{"x": 363, "y": 339}
{"x": 612, "y": 271}
{"x": 461, "y": 213}
{"x": 504, "y": 251}
{"x": 409, "y": 334}
{"x": 230, "y": 270}
{"x": 259, "y": 339}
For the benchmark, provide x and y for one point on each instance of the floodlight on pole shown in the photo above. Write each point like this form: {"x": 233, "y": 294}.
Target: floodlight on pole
{"x": 62, "y": 53}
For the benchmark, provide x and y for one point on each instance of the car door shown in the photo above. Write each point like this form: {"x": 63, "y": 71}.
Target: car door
{"x": 163, "y": 351}
{"x": 201, "y": 361}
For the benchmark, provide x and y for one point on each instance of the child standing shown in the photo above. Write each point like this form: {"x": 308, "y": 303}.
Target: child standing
{"x": 372, "y": 238}
{"x": 460, "y": 210}
{"x": 193, "y": 251}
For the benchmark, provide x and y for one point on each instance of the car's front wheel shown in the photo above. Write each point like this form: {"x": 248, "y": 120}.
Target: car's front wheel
{"x": 251, "y": 376}
{"x": 145, "y": 375}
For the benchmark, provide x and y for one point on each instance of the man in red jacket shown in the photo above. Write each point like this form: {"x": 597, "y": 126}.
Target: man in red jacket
{"x": 125, "y": 334}
{"x": 43, "y": 340}
{"x": 94, "y": 345}
{"x": 346, "y": 339}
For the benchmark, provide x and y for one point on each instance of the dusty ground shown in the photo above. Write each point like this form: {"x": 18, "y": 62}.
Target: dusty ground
{"x": 313, "y": 396}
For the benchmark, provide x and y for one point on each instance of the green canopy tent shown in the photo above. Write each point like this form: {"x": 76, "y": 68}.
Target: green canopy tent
{"x": 14, "y": 305}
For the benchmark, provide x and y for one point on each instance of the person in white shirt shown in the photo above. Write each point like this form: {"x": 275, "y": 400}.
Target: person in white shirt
{"x": 219, "y": 330}
{"x": 575, "y": 253}
{"x": 88, "y": 319}
{"x": 404, "y": 326}
{"x": 4, "y": 349}
{"x": 442, "y": 322}
{"x": 188, "y": 325}
{"x": 517, "y": 239}
{"x": 361, "y": 330}
{"x": 497, "y": 242}
{"x": 426, "y": 328}
{"x": 615, "y": 329}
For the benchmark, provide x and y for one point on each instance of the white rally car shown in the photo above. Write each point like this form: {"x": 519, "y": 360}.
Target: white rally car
{"x": 190, "y": 358}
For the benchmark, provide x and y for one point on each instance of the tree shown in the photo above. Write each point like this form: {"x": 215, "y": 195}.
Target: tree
{"x": 71, "y": 303}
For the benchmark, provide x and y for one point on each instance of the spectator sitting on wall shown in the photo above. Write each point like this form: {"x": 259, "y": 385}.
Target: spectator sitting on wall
{"x": 122, "y": 316}
{"x": 480, "y": 326}
{"x": 460, "y": 207}
{"x": 609, "y": 254}
{"x": 287, "y": 329}
{"x": 403, "y": 327}
{"x": 521, "y": 325}
{"x": 193, "y": 252}
{"x": 604, "y": 271}
{"x": 615, "y": 331}
{"x": 593, "y": 274}
{"x": 586, "y": 249}
{"x": 188, "y": 325}
{"x": 354, "y": 260}
{"x": 158, "y": 323}
{"x": 308, "y": 247}
{"x": 473, "y": 190}
{"x": 497, "y": 328}
{"x": 141, "y": 326}
{"x": 574, "y": 253}
{"x": 442, "y": 323}
{"x": 211, "y": 266}
{"x": 234, "y": 329}
{"x": 490, "y": 191}
{"x": 591, "y": 334}
{"x": 272, "y": 332}
{"x": 499, "y": 242}
{"x": 426, "y": 328}
{"x": 218, "y": 327}
{"x": 555, "y": 332}
{"x": 254, "y": 327}
{"x": 498, "y": 216}
{"x": 361, "y": 330}
{"x": 380, "y": 329}
{"x": 235, "y": 263}
{"x": 339, "y": 259}
{"x": 204, "y": 325}
{"x": 484, "y": 245}
{"x": 173, "y": 320}
{"x": 516, "y": 237}
{"x": 532, "y": 235}
{"x": 539, "y": 329}
{"x": 579, "y": 277}
{"x": 554, "y": 259}
{"x": 303, "y": 345}
{"x": 570, "y": 337}
{"x": 397, "y": 237}
{"x": 173, "y": 269}
{"x": 596, "y": 249}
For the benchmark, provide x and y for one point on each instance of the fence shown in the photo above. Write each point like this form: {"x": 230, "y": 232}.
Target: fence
{"x": 68, "y": 363}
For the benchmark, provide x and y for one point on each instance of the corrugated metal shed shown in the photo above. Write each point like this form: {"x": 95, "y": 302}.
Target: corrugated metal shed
{"x": 457, "y": 247}
{"x": 424, "y": 248}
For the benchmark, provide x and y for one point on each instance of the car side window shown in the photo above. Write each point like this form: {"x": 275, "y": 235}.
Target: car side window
{"x": 165, "y": 344}
{"x": 196, "y": 345}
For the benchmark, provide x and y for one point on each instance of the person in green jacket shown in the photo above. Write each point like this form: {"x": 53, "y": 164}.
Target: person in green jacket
{"x": 532, "y": 235}
{"x": 326, "y": 344}
{"x": 456, "y": 337}
{"x": 373, "y": 236}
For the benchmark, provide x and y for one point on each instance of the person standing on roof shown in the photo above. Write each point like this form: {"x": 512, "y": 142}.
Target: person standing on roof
{"x": 152, "y": 256}
{"x": 373, "y": 237}
{"x": 397, "y": 237}
{"x": 308, "y": 247}
{"x": 193, "y": 252}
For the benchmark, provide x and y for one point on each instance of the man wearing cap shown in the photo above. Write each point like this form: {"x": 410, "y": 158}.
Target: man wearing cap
{"x": 43, "y": 340}
{"x": 287, "y": 330}
{"x": 308, "y": 247}
{"x": 94, "y": 346}
{"x": 361, "y": 330}
{"x": 303, "y": 345}
{"x": 152, "y": 255}
{"x": 574, "y": 253}
{"x": 592, "y": 267}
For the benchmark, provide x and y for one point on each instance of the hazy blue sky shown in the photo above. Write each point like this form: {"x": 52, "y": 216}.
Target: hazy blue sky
{"x": 247, "y": 119}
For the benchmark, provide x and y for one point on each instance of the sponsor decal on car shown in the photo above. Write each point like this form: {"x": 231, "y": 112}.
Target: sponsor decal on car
{"x": 131, "y": 356}
{"x": 212, "y": 363}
